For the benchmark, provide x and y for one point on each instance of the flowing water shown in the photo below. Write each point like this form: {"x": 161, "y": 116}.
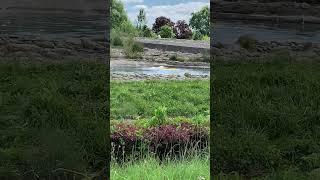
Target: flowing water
{"x": 160, "y": 70}
{"x": 229, "y": 31}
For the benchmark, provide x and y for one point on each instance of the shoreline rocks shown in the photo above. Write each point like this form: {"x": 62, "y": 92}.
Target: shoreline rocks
{"x": 52, "y": 49}
{"x": 262, "y": 49}
{"x": 144, "y": 77}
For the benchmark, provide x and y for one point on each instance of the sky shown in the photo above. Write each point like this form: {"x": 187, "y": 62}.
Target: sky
{"x": 173, "y": 9}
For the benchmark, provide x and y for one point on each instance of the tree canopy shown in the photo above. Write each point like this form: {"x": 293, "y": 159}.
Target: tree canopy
{"x": 200, "y": 21}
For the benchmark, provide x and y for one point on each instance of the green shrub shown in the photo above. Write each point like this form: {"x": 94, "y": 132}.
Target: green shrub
{"x": 115, "y": 38}
{"x": 197, "y": 36}
{"x": 177, "y": 58}
{"x": 166, "y": 32}
{"x": 146, "y": 32}
{"x": 132, "y": 49}
{"x": 160, "y": 116}
{"x": 247, "y": 41}
{"x": 205, "y": 38}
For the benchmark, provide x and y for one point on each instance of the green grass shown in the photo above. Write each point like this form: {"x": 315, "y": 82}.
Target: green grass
{"x": 150, "y": 169}
{"x": 53, "y": 116}
{"x": 130, "y": 100}
{"x": 267, "y": 116}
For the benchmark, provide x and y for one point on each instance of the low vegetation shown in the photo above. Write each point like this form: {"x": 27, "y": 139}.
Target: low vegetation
{"x": 150, "y": 169}
{"x": 53, "y": 120}
{"x": 266, "y": 120}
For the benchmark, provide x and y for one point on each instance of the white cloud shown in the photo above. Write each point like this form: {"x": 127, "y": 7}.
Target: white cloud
{"x": 140, "y": 6}
{"x": 132, "y": 1}
{"x": 175, "y": 12}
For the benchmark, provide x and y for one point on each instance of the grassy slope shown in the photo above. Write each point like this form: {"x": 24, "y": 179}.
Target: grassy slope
{"x": 267, "y": 117}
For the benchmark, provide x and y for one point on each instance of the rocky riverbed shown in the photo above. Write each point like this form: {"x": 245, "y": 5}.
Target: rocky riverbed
{"x": 143, "y": 77}
{"x": 177, "y": 59}
{"x": 261, "y": 49}
{"x": 41, "y": 48}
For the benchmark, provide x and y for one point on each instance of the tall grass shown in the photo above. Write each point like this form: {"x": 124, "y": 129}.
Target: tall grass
{"x": 266, "y": 116}
{"x": 150, "y": 169}
{"x": 52, "y": 120}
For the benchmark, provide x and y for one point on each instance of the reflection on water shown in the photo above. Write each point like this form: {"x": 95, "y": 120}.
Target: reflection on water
{"x": 52, "y": 25}
{"x": 159, "y": 70}
{"x": 229, "y": 32}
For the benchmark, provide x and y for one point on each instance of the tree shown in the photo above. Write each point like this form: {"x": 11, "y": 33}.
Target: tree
{"x": 161, "y": 21}
{"x": 182, "y": 30}
{"x": 166, "y": 32}
{"x": 118, "y": 13}
{"x": 200, "y": 21}
{"x": 142, "y": 20}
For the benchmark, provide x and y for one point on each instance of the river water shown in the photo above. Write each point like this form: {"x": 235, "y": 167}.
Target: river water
{"x": 229, "y": 31}
{"x": 160, "y": 70}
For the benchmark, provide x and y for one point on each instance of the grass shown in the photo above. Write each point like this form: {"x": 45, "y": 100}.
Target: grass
{"x": 130, "y": 100}
{"x": 53, "y": 119}
{"x": 53, "y": 116}
{"x": 267, "y": 117}
{"x": 150, "y": 169}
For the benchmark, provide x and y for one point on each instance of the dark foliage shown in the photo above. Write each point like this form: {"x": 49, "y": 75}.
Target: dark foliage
{"x": 161, "y": 21}
{"x": 163, "y": 141}
{"x": 182, "y": 30}
{"x": 125, "y": 140}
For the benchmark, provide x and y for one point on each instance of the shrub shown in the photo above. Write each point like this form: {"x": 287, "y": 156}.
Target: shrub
{"x": 166, "y": 32}
{"x": 197, "y": 36}
{"x": 205, "y": 38}
{"x": 173, "y": 136}
{"x": 115, "y": 38}
{"x": 247, "y": 41}
{"x": 182, "y": 30}
{"x": 125, "y": 138}
{"x": 132, "y": 49}
{"x": 127, "y": 29}
{"x": 177, "y": 58}
{"x": 160, "y": 22}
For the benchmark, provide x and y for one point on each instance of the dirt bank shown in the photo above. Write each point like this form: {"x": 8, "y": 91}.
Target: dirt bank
{"x": 260, "y": 49}
{"x": 279, "y": 11}
{"x": 40, "y": 48}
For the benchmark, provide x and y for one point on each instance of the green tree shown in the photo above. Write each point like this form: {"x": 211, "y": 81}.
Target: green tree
{"x": 166, "y": 32}
{"x": 141, "y": 19}
{"x": 200, "y": 21}
{"x": 118, "y": 13}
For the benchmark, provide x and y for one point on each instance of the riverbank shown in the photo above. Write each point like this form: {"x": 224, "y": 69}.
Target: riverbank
{"x": 267, "y": 11}
{"x": 158, "y": 65}
{"x": 255, "y": 49}
{"x": 41, "y": 49}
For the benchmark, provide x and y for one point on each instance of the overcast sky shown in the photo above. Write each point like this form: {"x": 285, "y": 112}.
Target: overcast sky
{"x": 173, "y": 9}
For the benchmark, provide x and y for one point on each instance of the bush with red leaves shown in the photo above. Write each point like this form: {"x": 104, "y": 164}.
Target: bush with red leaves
{"x": 161, "y": 21}
{"x": 125, "y": 139}
{"x": 182, "y": 30}
{"x": 162, "y": 140}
